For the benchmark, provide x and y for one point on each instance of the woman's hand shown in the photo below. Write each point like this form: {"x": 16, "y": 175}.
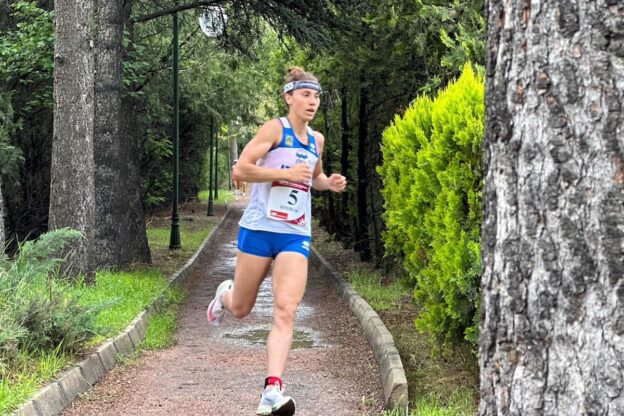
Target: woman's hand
{"x": 300, "y": 172}
{"x": 336, "y": 182}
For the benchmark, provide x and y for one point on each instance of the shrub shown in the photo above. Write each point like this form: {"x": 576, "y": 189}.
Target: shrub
{"x": 432, "y": 175}
{"x": 38, "y": 311}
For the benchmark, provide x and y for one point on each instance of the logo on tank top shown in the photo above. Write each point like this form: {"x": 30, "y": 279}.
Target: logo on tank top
{"x": 289, "y": 140}
{"x": 313, "y": 147}
{"x": 301, "y": 156}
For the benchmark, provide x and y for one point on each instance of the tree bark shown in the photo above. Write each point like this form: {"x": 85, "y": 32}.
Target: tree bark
{"x": 72, "y": 196}
{"x": 2, "y": 237}
{"x": 345, "y": 141}
{"x": 361, "y": 234}
{"x": 109, "y": 181}
{"x": 120, "y": 229}
{"x": 552, "y": 308}
{"x": 133, "y": 241}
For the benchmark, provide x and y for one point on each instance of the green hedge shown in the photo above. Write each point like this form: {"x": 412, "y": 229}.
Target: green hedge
{"x": 432, "y": 175}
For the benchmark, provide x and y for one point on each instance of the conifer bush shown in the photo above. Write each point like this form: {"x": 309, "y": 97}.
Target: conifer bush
{"x": 432, "y": 175}
{"x": 38, "y": 309}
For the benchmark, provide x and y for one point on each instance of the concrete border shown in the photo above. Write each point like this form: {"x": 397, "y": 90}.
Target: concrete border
{"x": 393, "y": 377}
{"x": 58, "y": 394}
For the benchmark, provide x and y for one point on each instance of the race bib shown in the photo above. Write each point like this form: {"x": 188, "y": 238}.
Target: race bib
{"x": 288, "y": 201}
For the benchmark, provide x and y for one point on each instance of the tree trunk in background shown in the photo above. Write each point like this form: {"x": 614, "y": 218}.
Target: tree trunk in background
{"x": 345, "y": 227}
{"x": 375, "y": 205}
{"x": 72, "y": 195}
{"x": 330, "y": 219}
{"x": 361, "y": 234}
{"x": 133, "y": 241}
{"x": 233, "y": 149}
{"x": 552, "y": 328}
{"x": 2, "y": 238}
{"x": 109, "y": 180}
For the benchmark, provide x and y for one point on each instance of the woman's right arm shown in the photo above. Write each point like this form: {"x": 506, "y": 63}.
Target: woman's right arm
{"x": 267, "y": 137}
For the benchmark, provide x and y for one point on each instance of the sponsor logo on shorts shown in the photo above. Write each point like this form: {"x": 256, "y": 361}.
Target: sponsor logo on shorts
{"x": 306, "y": 245}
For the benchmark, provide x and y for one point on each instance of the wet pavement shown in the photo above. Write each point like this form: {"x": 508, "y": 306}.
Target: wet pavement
{"x": 220, "y": 370}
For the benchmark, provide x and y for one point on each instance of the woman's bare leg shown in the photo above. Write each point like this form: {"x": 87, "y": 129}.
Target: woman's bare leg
{"x": 250, "y": 272}
{"x": 290, "y": 273}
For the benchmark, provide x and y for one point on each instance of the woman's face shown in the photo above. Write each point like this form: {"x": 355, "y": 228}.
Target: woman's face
{"x": 303, "y": 103}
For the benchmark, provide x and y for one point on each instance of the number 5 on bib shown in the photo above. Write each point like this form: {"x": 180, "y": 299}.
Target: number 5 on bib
{"x": 288, "y": 201}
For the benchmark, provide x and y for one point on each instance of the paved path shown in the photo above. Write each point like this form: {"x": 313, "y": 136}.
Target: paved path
{"x": 219, "y": 371}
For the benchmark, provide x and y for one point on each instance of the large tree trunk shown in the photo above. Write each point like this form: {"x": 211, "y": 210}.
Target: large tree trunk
{"x": 134, "y": 237}
{"x": 109, "y": 181}
{"x": 120, "y": 228}
{"x": 553, "y": 235}
{"x": 2, "y": 238}
{"x": 72, "y": 196}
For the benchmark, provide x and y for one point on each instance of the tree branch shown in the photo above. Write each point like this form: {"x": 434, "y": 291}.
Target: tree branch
{"x": 172, "y": 10}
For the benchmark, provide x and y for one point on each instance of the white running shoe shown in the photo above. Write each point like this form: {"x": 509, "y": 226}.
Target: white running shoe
{"x": 273, "y": 402}
{"x": 215, "y": 310}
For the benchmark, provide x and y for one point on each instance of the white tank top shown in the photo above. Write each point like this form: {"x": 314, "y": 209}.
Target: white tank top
{"x": 282, "y": 206}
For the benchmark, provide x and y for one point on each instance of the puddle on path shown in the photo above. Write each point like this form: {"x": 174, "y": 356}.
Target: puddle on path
{"x": 301, "y": 339}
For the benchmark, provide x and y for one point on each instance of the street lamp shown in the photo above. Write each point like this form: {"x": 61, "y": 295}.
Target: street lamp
{"x": 212, "y": 22}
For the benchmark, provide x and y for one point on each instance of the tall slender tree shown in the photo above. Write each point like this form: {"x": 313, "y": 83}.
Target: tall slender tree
{"x": 2, "y": 238}
{"x": 551, "y": 340}
{"x": 72, "y": 189}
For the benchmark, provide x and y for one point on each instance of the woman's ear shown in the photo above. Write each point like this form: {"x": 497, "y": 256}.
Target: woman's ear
{"x": 288, "y": 98}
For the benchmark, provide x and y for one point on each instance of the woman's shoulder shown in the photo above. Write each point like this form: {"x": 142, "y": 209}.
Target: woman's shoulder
{"x": 318, "y": 137}
{"x": 271, "y": 126}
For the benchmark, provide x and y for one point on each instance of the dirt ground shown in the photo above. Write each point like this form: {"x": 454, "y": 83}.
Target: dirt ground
{"x": 219, "y": 371}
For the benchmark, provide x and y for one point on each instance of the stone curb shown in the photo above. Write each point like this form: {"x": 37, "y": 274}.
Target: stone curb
{"x": 392, "y": 373}
{"x": 57, "y": 395}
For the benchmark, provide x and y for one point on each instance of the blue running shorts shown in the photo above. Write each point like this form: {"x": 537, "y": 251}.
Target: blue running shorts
{"x": 268, "y": 244}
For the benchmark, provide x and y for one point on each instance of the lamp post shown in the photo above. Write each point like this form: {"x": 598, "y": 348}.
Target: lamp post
{"x": 174, "y": 240}
{"x": 212, "y": 21}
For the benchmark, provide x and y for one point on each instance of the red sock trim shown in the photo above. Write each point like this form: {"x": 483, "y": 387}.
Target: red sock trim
{"x": 270, "y": 381}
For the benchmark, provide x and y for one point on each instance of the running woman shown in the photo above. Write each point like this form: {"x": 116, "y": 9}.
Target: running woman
{"x": 283, "y": 162}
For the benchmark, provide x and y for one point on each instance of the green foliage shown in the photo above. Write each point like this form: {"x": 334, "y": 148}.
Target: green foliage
{"x": 10, "y": 157}
{"x": 38, "y": 310}
{"x": 432, "y": 174}
{"x": 26, "y": 54}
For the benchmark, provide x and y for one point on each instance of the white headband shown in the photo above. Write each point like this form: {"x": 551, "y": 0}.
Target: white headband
{"x": 297, "y": 85}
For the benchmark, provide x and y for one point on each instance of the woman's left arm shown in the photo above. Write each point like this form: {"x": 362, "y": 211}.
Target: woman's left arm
{"x": 321, "y": 182}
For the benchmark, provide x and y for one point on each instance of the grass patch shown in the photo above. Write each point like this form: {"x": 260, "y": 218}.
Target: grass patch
{"x": 224, "y": 196}
{"x": 159, "y": 237}
{"x": 162, "y": 325}
{"x": 368, "y": 285}
{"x": 126, "y": 295}
{"x": 25, "y": 378}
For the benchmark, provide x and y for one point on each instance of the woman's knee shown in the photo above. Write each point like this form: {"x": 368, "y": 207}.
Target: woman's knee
{"x": 285, "y": 313}
{"x": 240, "y": 311}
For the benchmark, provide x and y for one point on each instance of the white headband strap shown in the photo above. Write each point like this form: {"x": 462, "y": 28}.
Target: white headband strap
{"x": 297, "y": 85}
